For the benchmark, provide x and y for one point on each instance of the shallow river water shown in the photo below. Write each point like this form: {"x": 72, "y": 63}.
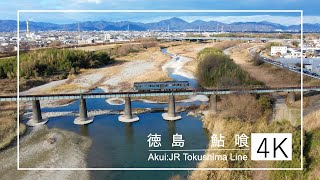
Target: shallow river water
{"x": 124, "y": 145}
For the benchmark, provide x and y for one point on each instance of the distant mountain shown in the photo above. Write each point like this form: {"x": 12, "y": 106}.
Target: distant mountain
{"x": 173, "y": 24}
{"x": 307, "y": 27}
{"x": 8, "y": 25}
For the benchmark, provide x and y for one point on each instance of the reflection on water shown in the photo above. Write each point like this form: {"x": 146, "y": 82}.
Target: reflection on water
{"x": 171, "y": 128}
{"x": 129, "y": 131}
{"x": 84, "y": 130}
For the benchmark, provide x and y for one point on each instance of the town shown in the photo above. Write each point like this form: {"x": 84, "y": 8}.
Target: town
{"x": 284, "y": 52}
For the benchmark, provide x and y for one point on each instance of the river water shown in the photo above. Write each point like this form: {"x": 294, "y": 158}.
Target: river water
{"x": 124, "y": 145}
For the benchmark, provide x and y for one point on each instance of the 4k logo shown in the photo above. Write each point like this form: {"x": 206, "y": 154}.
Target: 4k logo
{"x": 271, "y": 146}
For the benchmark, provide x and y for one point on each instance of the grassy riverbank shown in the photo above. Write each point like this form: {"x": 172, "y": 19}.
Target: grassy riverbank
{"x": 242, "y": 119}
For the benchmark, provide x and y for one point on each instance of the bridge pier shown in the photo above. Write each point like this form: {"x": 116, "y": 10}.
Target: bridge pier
{"x": 128, "y": 116}
{"x": 36, "y": 115}
{"x": 291, "y": 97}
{"x": 213, "y": 103}
{"x": 171, "y": 114}
{"x": 83, "y": 113}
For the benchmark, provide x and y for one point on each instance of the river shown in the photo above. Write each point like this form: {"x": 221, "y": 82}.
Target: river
{"x": 124, "y": 145}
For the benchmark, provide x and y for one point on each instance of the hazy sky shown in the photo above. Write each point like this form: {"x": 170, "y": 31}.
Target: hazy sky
{"x": 311, "y": 10}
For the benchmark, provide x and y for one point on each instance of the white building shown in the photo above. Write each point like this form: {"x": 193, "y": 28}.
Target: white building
{"x": 308, "y": 66}
{"x": 293, "y": 53}
{"x": 107, "y": 37}
{"x": 278, "y": 50}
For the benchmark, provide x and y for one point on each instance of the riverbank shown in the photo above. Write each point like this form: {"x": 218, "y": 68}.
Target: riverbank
{"x": 219, "y": 124}
{"x": 8, "y": 124}
{"x": 286, "y": 118}
{"x": 47, "y": 148}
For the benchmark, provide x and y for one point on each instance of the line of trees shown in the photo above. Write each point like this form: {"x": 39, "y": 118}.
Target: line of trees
{"x": 215, "y": 69}
{"x": 48, "y": 62}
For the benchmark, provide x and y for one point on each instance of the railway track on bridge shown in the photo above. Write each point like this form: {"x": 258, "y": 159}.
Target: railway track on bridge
{"x": 155, "y": 93}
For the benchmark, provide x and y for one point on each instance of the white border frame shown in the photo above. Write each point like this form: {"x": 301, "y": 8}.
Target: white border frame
{"x": 156, "y": 11}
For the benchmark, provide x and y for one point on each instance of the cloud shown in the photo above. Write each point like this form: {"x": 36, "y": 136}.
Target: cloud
{"x": 311, "y": 19}
{"x": 87, "y": 1}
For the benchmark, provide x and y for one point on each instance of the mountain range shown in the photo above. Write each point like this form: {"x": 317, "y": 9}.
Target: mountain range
{"x": 172, "y": 24}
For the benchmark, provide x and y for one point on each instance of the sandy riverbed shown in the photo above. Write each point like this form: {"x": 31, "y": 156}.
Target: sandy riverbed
{"x": 118, "y": 77}
{"x": 47, "y": 148}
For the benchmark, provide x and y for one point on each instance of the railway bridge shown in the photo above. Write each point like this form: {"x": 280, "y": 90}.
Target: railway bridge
{"x": 128, "y": 116}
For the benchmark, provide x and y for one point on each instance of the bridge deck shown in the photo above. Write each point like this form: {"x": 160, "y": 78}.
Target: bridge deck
{"x": 155, "y": 93}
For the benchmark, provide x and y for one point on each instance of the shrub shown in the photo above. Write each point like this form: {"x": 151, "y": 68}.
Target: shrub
{"x": 58, "y": 61}
{"x": 8, "y": 67}
{"x": 48, "y": 62}
{"x": 126, "y": 49}
{"x": 256, "y": 60}
{"x": 242, "y": 107}
{"x": 295, "y": 43}
{"x": 216, "y": 69}
{"x": 266, "y": 102}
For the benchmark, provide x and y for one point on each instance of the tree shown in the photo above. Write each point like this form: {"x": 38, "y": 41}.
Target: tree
{"x": 257, "y": 60}
{"x": 295, "y": 43}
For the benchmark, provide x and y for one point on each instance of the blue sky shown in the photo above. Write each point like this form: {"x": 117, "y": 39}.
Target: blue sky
{"x": 311, "y": 10}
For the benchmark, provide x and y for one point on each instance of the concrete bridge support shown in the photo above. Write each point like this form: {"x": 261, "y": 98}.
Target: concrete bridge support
{"x": 291, "y": 97}
{"x": 171, "y": 115}
{"x": 213, "y": 103}
{"x": 36, "y": 115}
{"x": 128, "y": 116}
{"x": 83, "y": 113}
